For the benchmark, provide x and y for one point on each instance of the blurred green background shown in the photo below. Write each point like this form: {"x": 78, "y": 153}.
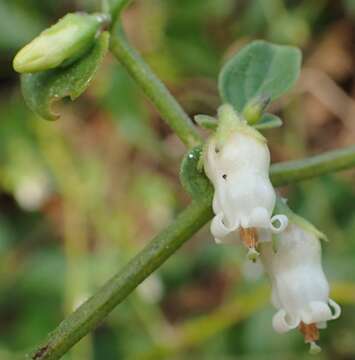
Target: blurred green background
{"x": 80, "y": 196}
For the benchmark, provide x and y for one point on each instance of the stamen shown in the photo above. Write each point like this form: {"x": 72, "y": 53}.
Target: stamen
{"x": 310, "y": 333}
{"x": 249, "y": 237}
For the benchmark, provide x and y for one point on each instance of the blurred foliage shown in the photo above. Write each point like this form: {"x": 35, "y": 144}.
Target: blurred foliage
{"x": 78, "y": 197}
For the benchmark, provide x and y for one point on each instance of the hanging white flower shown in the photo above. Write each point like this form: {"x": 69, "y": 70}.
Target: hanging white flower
{"x": 300, "y": 290}
{"x": 237, "y": 161}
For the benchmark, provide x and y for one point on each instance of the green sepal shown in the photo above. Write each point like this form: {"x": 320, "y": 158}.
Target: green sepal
{"x": 268, "y": 121}
{"x": 40, "y": 90}
{"x": 206, "y": 121}
{"x": 229, "y": 122}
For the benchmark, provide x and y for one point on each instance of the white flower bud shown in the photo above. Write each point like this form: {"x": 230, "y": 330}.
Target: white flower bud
{"x": 237, "y": 163}
{"x": 300, "y": 290}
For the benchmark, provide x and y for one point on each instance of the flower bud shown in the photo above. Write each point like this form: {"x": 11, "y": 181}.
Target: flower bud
{"x": 237, "y": 161}
{"x": 255, "y": 108}
{"x": 300, "y": 290}
{"x": 61, "y": 44}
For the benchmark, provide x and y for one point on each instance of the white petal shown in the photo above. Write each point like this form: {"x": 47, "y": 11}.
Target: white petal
{"x": 218, "y": 229}
{"x": 322, "y": 325}
{"x": 282, "y": 219}
{"x": 245, "y": 222}
{"x": 336, "y": 308}
{"x": 211, "y": 163}
{"x": 275, "y": 301}
{"x": 260, "y": 218}
{"x": 282, "y": 323}
{"x": 318, "y": 311}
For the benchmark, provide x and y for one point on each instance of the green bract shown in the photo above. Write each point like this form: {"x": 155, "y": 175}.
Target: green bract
{"x": 42, "y": 89}
{"x": 259, "y": 69}
{"x": 194, "y": 181}
{"x": 61, "y": 44}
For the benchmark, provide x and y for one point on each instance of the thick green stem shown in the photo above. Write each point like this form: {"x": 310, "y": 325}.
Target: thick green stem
{"x": 92, "y": 312}
{"x": 169, "y": 108}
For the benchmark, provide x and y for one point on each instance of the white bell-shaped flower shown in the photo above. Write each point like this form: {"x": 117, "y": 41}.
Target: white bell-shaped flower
{"x": 237, "y": 161}
{"x": 300, "y": 290}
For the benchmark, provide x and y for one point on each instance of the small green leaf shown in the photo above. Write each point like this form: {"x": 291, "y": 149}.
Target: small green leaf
{"x": 255, "y": 108}
{"x": 194, "y": 181}
{"x": 259, "y": 69}
{"x": 40, "y": 90}
{"x": 206, "y": 122}
{"x": 268, "y": 121}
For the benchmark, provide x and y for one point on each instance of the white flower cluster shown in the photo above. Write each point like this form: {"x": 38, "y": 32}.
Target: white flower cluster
{"x": 237, "y": 160}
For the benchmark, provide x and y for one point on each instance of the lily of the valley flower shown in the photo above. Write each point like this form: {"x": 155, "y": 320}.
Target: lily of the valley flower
{"x": 300, "y": 290}
{"x": 237, "y": 161}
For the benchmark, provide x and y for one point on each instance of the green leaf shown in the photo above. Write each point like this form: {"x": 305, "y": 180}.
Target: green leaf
{"x": 259, "y": 69}
{"x": 206, "y": 122}
{"x": 40, "y": 90}
{"x": 194, "y": 181}
{"x": 268, "y": 121}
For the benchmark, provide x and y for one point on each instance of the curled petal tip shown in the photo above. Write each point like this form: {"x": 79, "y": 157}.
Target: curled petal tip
{"x": 336, "y": 309}
{"x": 281, "y": 221}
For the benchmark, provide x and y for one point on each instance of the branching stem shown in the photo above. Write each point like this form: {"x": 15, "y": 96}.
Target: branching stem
{"x": 93, "y": 311}
{"x": 156, "y": 91}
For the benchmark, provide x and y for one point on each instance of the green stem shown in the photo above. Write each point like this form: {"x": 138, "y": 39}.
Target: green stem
{"x": 169, "y": 108}
{"x": 328, "y": 162}
{"x": 116, "y": 7}
{"x": 87, "y": 316}
{"x": 92, "y": 312}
